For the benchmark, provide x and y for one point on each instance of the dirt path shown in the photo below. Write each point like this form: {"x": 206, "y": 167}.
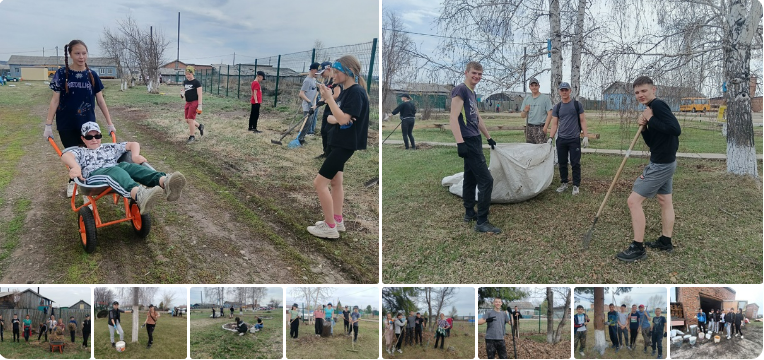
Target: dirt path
{"x": 736, "y": 348}
{"x": 202, "y": 238}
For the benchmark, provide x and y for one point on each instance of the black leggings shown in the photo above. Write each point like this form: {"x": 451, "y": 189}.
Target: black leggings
{"x": 355, "y": 332}
{"x": 400, "y": 341}
{"x": 319, "y": 326}
{"x": 254, "y": 115}
{"x": 294, "y": 328}
{"x": 43, "y": 331}
{"x": 439, "y": 336}
{"x": 737, "y": 329}
{"x": 634, "y": 333}
{"x": 407, "y": 126}
{"x": 85, "y": 336}
{"x": 71, "y": 333}
{"x": 16, "y": 336}
{"x": 150, "y": 331}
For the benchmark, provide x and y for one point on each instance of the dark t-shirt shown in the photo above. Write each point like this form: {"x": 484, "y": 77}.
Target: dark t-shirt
{"x": 662, "y": 133}
{"x": 15, "y": 323}
{"x": 77, "y": 106}
{"x": 190, "y": 87}
{"x": 419, "y": 322}
{"x": 468, "y": 118}
{"x": 354, "y": 102}
{"x": 86, "y": 326}
{"x": 346, "y": 315}
{"x": 659, "y": 323}
{"x": 568, "y": 126}
{"x": 407, "y": 110}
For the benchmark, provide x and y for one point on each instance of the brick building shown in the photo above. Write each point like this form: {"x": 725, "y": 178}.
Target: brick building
{"x": 752, "y": 311}
{"x": 689, "y": 299}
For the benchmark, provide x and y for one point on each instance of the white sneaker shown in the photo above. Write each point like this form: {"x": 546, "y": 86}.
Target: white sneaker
{"x": 575, "y": 190}
{"x": 742, "y": 337}
{"x": 70, "y": 189}
{"x": 582, "y": 353}
{"x": 241, "y": 334}
{"x": 147, "y": 197}
{"x": 340, "y": 226}
{"x": 173, "y": 186}
{"x": 400, "y": 351}
{"x": 322, "y": 230}
{"x": 562, "y": 187}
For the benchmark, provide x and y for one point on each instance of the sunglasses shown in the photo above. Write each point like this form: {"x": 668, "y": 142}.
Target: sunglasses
{"x": 91, "y": 137}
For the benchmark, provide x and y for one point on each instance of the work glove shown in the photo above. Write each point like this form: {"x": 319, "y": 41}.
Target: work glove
{"x": 549, "y": 141}
{"x": 311, "y": 111}
{"x": 48, "y": 133}
{"x": 585, "y": 142}
{"x": 490, "y": 319}
{"x": 111, "y": 129}
{"x": 492, "y": 142}
{"x": 461, "y": 149}
{"x": 664, "y": 334}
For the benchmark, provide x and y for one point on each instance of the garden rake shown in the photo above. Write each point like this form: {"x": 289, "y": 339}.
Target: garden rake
{"x": 396, "y": 127}
{"x": 297, "y": 142}
{"x": 278, "y": 142}
{"x": 588, "y": 237}
{"x": 352, "y": 344}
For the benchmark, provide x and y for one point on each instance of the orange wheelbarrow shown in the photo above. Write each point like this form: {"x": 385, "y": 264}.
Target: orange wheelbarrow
{"x": 88, "y": 217}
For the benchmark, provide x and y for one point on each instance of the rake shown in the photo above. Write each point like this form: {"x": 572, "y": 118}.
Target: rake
{"x": 396, "y": 127}
{"x": 352, "y": 344}
{"x": 588, "y": 237}
{"x": 278, "y": 142}
{"x": 297, "y": 142}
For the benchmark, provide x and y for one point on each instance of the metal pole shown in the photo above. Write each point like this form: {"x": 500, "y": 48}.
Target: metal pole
{"x": 278, "y": 70}
{"x": 312, "y": 57}
{"x": 238, "y": 84}
{"x": 219, "y": 80}
{"x": 371, "y": 65}
{"x": 227, "y": 79}
{"x": 525, "y": 68}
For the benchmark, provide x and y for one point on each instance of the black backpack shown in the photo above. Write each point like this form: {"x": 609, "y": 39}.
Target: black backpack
{"x": 578, "y": 112}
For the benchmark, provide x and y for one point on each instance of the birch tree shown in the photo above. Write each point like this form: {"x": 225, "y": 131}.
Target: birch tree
{"x": 396, "y": 51}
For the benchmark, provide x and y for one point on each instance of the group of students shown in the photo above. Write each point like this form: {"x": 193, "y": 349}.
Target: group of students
{"x": 624, "y": 327}
{"x": 115, "y": 326}
{"x": 411, "y": 328}
{"x": 242, "y": 327}
{"x": 566, "y": 120}
{"x": 24, "y": 327}
{"x": 222, "y": 312}
{"x": 720, "y": 321}
{"x": 325, "y": 316}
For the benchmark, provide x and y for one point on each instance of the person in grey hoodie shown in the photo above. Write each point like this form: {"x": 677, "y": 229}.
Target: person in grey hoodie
{"x": 400, "y": 324}
{"x": 410, "y": 322}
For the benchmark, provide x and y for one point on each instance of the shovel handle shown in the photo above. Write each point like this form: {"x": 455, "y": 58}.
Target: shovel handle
{"x": 620, "y": 168}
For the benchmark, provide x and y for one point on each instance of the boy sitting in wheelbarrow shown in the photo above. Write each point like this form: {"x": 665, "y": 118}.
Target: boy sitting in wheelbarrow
{"x": 97, "y": 164}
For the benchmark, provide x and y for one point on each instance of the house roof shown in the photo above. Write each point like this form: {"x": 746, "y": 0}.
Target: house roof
{"x": 249, "y": 69}
{"x": 6, "y": 293}
{"x": 81, "y": 301}
{"x": 53, "y": 60}
{"x": 620, "y": 87}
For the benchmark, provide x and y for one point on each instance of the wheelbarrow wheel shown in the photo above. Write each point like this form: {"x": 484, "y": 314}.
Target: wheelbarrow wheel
{"x": 141, "y": 222}
{"x": 87, "y": 229}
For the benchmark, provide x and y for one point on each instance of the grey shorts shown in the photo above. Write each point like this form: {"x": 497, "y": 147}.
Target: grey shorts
{"x": 655, "y": 179}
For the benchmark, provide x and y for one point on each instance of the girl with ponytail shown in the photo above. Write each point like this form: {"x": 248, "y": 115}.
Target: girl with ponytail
{"x": 76, "y": 90}
{"x": 350, "y": 111}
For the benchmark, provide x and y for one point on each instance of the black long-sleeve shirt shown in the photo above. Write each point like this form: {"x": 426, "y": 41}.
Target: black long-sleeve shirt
{"x": 662, "y": 133}
{"x": 114, "y": 315}
{"x": 407, "y": 110}
{"x": 85, "y": 326}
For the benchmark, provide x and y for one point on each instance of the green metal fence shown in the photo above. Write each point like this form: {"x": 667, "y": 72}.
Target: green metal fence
{"x": 284, "y": 73}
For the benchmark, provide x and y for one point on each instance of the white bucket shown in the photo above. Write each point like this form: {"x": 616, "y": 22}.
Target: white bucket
{"x": 693, "y": 329}
{"x": 676, "y": 341}
{"x": 708, "y": 336}
{"x": 120, "y": 345}
{"x": 717, "y": 339}
{"x": 687, "y": 337}
{"x": 701, "y": 335}
{"x": 693, "y": 339}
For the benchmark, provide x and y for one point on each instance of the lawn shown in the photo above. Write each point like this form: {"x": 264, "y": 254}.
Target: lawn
{"x": 41, "y": 349}
{"x": 210, "y": 341}
{"x": 170, "y": 337}
{"x": 697, "y": 136}
{"x": 460, "y": 345}
{"x": 245, "y": 199}
{"x": 530, "y": 327}
{"x": 541, "y": 239}
{"x": 624, "y": 353}
{"x": 309, "y": 346}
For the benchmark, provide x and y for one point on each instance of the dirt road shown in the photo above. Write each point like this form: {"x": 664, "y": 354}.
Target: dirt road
{"x": 736, "y": 348}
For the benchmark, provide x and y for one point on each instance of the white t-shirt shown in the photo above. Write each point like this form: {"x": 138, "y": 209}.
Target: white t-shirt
{"x": 104, "y": 156}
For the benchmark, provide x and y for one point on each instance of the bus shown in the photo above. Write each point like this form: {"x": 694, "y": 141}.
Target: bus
{"x": 695, "y": 104}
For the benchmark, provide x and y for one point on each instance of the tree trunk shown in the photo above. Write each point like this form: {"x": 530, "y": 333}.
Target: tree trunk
{"x": 556, "y": 35}
{"x": 558, "y": 333}
{"x": 549, "y": 313}
{"x": 136, "y": 317}
{"x": 599, "y": 320}
{"x": 740, "y": 29}
{"x": 578, "y": 45}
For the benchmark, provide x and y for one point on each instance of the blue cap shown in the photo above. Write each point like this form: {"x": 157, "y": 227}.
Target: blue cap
{"x": 564, "y": 85}
{"x": 324, "y": 65}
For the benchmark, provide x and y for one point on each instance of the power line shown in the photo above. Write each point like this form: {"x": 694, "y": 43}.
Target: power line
{"x": 25, "y": 52}
{"x": 460, "y": 38}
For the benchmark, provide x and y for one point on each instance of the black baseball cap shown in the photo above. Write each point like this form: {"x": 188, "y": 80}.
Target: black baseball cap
{"x": 407, "y": 96}
{"x": 314, "y": 65}
{"x": 324, "y": 65}
{"x": 115, "y": 303}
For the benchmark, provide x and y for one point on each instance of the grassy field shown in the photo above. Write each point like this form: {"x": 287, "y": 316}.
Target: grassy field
{"x": 541, "y": 239}
{"x": 245, "y": 198}
{"x": 697, "y": 136}
{"x": 460, "y": 345}
{"x": 41, "y": 349}
{"x": 531, "y": 343}
{"x": 529, "y": 328}
{"x": 210, "y": 341}
{"x": 309, "y": 346}
{"x": 170, "y": 337}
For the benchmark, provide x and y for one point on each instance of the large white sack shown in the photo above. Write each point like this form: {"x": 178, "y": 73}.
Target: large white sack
{"x": 520, "y": 172}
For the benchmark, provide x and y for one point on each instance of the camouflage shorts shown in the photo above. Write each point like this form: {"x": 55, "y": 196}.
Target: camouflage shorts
{"x": 534, "y": 134}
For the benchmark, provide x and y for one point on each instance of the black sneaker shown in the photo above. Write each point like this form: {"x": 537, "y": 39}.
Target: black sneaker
{"x": 663, "y": 243}
{"x": 201, "y": 129}
{"x": 468, "y": 218}
{"x": 256, "y": 131}
{"x": 319, "y": 157}
{"x": 487, "y": 227}
{"x": 632, "y": 253}
{"x": 113, "y": 345}
{"x": 191, "y": 139}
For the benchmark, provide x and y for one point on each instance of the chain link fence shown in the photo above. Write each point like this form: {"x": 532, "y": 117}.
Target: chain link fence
{"x": 284, "y": 74}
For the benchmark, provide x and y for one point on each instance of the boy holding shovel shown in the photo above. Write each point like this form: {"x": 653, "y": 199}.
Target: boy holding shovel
{"x": 661, "y": 131}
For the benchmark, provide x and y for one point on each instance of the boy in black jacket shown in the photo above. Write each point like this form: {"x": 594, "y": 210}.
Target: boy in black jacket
{"x": 16, "y": 324}
{"x": 661, "y": 134}
{"x": 85, "y": 331}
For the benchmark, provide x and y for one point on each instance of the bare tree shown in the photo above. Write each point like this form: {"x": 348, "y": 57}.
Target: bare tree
{"x": 443, "y": 297}
{"x": 168, "y": 297}
{"x": 576, "y": 49}
{"x": 312, "y": 295}
{"x": 566, "y": 293}
{"x": 656, "y": 301}
{"x": 215, "y": 294}
{"x": 275, "y": 302}
{"x": 257, "y": 293}
{"x": 396, "y": 51}
{"x": 452, "y": 314}
{"x": 103, "y": 295}
{"x": 627, "y": 300}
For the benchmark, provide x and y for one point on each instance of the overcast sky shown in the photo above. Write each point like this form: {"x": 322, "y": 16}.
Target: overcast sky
{"x": 639, "y": 295}
{"x": 350, "y": 296}
{"x": 751, "y": 293}
{"x": 272, "y": 292}
{"x": 210, "y": 30}
{"x": 464, "y": 300}
{"x": 181, "y": 296}
{"x": 62, "y": 296}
